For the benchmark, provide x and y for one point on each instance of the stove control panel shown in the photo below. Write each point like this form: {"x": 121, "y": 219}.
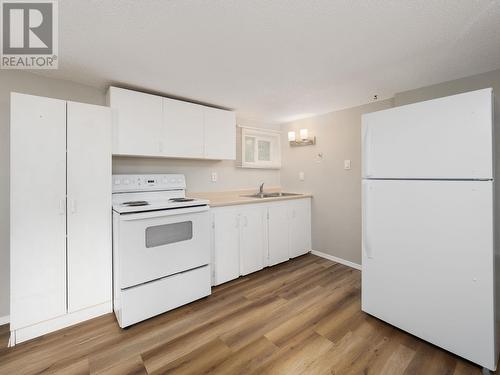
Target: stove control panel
{"x": 147, "y": 182}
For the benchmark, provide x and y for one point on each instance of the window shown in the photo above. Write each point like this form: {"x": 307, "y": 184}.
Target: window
{"x": 260, "y": 148}
{"x": 264, "y": 150}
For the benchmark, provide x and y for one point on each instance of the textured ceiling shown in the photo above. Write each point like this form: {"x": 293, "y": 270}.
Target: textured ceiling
{"x": 274, "y": 61}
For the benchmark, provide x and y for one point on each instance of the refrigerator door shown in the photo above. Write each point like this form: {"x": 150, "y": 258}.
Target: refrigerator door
{"x": 445, "y": 138}
{"x": 428, "y": 262}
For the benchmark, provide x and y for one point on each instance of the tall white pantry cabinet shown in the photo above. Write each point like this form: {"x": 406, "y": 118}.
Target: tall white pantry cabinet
{"x": 60, "y": 214}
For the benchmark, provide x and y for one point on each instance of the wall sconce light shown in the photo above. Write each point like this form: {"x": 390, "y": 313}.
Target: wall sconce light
{"x": 304, "y": 139}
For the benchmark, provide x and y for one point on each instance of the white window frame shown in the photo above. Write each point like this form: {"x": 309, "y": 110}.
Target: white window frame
{"x": 272, "y": 136}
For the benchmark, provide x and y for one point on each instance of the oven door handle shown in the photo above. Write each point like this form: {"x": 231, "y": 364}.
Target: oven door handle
{"x": 163, "y": 213}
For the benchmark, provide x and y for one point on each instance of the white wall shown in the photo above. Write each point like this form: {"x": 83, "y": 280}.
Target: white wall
{"x": 198, "y": 173}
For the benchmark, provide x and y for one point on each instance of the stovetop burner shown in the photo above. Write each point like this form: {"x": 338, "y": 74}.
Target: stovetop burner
{"x": 135, "y": 203}
{"x": 181, "y": 200}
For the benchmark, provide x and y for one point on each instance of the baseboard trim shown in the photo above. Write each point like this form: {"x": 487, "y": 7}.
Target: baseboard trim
{"x": 27, "y": 333}
{"x": 336, "y": 259}
{"x": 4, "y": 320}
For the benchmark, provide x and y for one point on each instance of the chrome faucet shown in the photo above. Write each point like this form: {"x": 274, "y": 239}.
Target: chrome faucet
{"x": 261, "y": 189}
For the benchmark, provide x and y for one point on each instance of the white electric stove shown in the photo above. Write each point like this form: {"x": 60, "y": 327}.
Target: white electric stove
{"x": 161, "y": 246}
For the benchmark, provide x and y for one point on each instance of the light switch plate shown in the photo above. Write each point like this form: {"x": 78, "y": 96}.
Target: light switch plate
{"x": 301, "y": 176}
{"x": 347, "y": 164}
{"x": 214, "y": 176}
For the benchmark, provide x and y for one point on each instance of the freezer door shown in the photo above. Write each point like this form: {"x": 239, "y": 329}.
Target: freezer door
{"x": 428, "y": 262}
{"x": 445, "y": 138}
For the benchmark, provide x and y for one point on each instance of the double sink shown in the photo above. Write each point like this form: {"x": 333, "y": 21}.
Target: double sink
{"x": 271, "y": 195}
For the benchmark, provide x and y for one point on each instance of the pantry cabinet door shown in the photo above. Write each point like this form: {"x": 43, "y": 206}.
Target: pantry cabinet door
{"x": 220, "y": 134}
{"x": 252, "y": 246}
{"x": 137, "y": 122}
{"x": 183, "y": 130}
{"x": 38, "y": 209}
{"x": 300, "y": 226}
{"x": 226, "y": 244}
{"x": 89, "y": 205}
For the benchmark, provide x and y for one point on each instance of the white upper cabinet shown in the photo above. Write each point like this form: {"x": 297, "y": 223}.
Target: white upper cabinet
{"x": 220, "y": 134}
{"x": 150, "y": 125}
{"x": 183, "y": 129}
{"x": 137, "y": 128}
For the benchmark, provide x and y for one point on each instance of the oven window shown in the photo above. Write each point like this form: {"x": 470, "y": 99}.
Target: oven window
{"x": 169, "y": 233}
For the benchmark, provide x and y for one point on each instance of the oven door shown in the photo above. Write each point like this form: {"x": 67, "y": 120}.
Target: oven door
{"x": 156, "y": 244}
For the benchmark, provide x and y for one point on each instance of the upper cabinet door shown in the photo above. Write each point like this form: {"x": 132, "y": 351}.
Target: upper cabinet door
{"x": 220, "y": 134}
{"x": 183, "y": 130}
{"x": 137, "y": 128}
{"x": 89, "y": 205}
{"x": 445, "y": 138}
{"x": 38, "y": 209}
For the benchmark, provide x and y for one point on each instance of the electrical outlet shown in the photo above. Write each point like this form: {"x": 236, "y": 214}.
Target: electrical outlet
{"x": 347, "y": 164}
{"x": 214, "y": 176}
{"x": 301, "y": 176}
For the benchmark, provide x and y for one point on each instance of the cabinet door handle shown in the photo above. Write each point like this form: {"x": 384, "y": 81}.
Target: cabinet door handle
{"x": 73, "y": 206}
{"x": 62, "y": 206}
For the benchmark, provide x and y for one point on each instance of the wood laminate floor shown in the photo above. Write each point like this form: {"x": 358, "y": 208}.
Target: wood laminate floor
{"x": 300, "y": 317}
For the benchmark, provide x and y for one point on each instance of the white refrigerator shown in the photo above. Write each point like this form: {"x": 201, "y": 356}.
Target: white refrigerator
{"x": 428, "y": 222}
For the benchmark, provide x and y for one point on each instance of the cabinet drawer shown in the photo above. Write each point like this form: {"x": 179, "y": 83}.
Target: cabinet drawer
{"x": 181, "y": 289}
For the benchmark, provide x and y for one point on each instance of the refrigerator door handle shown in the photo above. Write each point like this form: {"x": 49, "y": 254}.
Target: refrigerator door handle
{"x": 367, "y": 139}
{"x": 366, "y": 243}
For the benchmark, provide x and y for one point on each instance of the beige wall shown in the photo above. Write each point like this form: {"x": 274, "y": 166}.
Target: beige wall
{"x": 476, "y": 82}
{"x": 336, "y": 206}
{"x": 197, "y": 171}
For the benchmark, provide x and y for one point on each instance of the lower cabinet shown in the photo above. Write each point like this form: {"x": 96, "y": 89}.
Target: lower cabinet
{"x": 247, "y": 238}
{"x": 279, "y": 241}
{"x": 238, "y": 241}
{"x": 252, "y": 240}
{"x": 299, "y": 212}
{"x": 226, "y": 245}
